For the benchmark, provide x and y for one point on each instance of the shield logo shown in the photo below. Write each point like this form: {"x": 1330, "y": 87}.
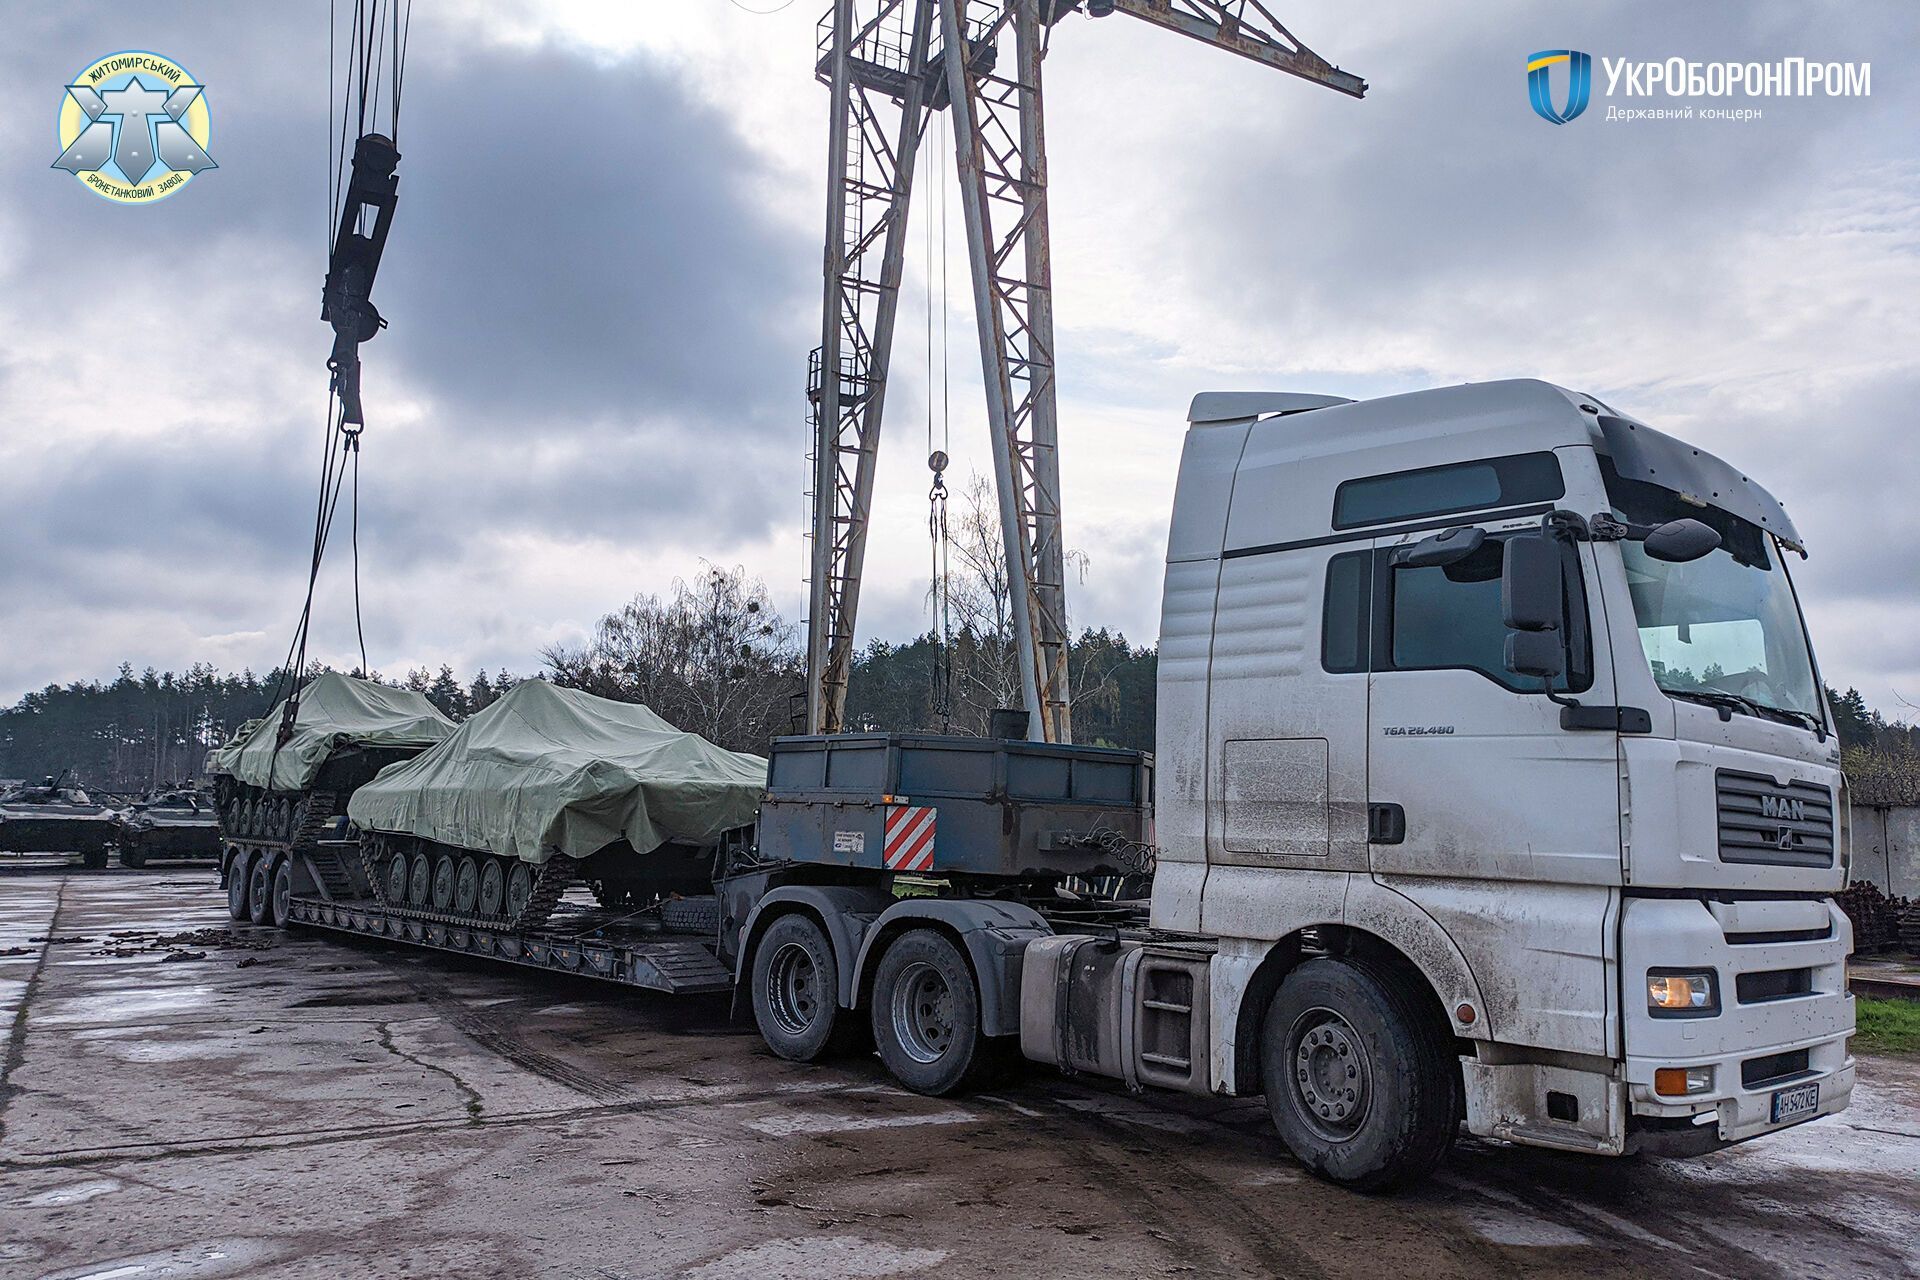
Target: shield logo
{"x": 1540, "y": 84}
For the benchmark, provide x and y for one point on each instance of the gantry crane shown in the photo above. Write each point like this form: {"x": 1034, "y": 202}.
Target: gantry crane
{"x": 887, "y": 65}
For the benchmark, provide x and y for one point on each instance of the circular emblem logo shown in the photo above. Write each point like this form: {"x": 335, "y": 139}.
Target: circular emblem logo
{"x": 135, "y": 127}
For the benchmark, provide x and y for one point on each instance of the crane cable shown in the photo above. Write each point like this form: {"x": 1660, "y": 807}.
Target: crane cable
{"x": 376, "y": 52}
{"x": 937, "y": 460}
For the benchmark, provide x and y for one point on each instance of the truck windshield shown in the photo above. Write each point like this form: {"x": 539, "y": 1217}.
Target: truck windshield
{"x": 1724, "y": 628}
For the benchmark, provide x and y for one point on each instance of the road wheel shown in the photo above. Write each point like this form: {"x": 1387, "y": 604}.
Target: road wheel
{"x": 131, "y": 855}
{"x": 260, "y": 891}
{"x": 282, "y": 890}
{"x": 396, "y": 883}
{"x": 238, "y": 873}
{"x": 519, "y": 889}
{"x": 796, "y": 990}
{"x": 1358, "y": 1075}
{"x": 926, "y": 1014}
{"x": 420, "y": 880}
{"x": 466, "y": 887}
{"x": 443, "y": 873}
{"x": 493, "y": 888}
{"x": 94, "y": 859}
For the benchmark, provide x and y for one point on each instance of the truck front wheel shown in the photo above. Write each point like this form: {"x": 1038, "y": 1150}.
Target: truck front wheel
{"x": 1359, "y": 1079}
{"x": 796, "y": 989}
{"x": 926, "y": 1014}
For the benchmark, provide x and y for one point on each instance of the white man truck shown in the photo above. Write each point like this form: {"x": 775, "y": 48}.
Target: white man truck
{"x": 1494, "y": 785}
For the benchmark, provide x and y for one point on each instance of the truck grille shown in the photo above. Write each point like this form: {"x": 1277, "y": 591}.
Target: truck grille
{"x": 1766, "y": 822}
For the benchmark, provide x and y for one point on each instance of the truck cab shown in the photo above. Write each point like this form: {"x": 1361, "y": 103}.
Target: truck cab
{"x": 1586, "y": 852}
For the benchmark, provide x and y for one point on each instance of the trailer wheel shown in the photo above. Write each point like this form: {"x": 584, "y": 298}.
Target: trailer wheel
{"x": 926, "y": 1014}
{"x": 1359, "y": 1077}
{"x": 282, "y": 890}
{"x": 260, "y": 891}
{"x": 420, "y": 881}
{"x": 796, "y": 989}
{"x": 239, "y": 871}
{"x": 466, "y": 887}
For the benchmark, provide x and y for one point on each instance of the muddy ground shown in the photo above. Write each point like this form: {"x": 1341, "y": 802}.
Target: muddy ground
{"x": 260, "y": 1103}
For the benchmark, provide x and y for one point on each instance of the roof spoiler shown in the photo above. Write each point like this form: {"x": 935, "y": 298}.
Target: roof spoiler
{"x": 1231, "y": 406}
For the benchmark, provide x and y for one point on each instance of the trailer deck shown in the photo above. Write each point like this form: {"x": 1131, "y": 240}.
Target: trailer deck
{"x": 576, "y": 939}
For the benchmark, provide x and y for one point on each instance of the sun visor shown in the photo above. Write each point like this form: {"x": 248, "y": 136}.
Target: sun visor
{"x": 1641, "y": 453}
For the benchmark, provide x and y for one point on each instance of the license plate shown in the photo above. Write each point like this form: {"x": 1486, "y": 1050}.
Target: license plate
{"x": 1796, "y": 1103}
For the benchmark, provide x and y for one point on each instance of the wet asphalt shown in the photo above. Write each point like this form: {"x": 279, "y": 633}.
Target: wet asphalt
{"x": 181, "y": 1097}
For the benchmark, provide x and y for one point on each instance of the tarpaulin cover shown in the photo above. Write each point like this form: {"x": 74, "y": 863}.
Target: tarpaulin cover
{"x": 547, "y": 770}
{"x": 334, "y": 710}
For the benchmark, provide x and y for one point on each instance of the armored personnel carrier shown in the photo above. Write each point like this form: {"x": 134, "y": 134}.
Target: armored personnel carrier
{"x": 275, "y": 793}
{"x": 56, "y": 818}
{"x": 178, "y": 823}
{"x": 547, "y": 788}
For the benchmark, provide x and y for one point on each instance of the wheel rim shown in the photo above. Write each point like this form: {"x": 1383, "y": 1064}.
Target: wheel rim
{"x": 259, "y": 890}
{"x": 493, "y": 889}
{"x": 237, "y": 890}
{"x": 1331, "y": 1080}
{"x": 922, "y": 1008}
{"x": 793, "y": 989}
{"x": 420, "y": 883}
{"x": 519, "y": 888}
{"x": 443, "y": 883}
{"x": 466, "y": 887}
{"x": 282, "y": 891}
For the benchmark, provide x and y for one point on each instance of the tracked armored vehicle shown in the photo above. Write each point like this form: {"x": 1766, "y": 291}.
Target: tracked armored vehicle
{"x": 179, "y": 823}
{"x": 548, "y": 788}
{"x": 56, "y": 818}
{"x": 274, "y": 796}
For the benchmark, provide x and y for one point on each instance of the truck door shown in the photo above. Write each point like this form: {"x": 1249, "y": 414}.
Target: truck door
{"x": 1498, "y": 822}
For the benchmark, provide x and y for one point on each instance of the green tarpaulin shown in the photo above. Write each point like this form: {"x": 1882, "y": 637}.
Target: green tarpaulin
{"x": 547, "y": 770}
{"x": 334, "y": 710}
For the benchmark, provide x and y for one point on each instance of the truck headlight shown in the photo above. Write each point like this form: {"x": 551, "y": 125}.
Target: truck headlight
{"x": 1682, "y": 993}
{"x": 1678, "y": 1082}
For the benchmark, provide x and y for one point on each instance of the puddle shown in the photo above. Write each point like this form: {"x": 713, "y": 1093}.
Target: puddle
{"x": 207, "y": 1258}
{"x": 789, "y": 1124}
{"x": 817, "y": 1257}
{"x": 72, "y": 1193}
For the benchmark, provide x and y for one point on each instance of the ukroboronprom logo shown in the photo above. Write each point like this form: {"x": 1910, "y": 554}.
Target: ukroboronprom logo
{"x": 135, "y": 127}
{"x": 1579, "y": 76}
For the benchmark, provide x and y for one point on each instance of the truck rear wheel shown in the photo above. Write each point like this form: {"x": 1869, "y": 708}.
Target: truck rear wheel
{"x": 926, "y": 1014}
{"x": 239, "y": 871}
{"x": 1358, "y": 1076}
{"x": 796, "y": 989}
{"x": 260, "y": 891}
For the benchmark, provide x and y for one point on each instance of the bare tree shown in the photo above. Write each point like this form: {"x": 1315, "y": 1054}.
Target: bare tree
{"x": 714, "y": 657}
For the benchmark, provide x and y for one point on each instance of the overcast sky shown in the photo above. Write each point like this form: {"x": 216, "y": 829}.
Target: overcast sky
{"x": 603, "y": 283}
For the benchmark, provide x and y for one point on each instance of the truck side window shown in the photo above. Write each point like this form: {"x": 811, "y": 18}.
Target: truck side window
{"x": 1461, "y": 486}
{"x": 1344, "y": 633}
{"x": 1448, "y": 618}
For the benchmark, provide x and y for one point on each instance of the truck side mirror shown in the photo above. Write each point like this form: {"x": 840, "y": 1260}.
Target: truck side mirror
{"x": 1678, "y": 541}
{"x": 1532, "y": 604}
{"x": 1449, "y": 546}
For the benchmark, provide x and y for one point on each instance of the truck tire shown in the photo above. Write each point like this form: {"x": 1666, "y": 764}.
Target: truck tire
{"x": 926, "y": 1014}
{"x": 691, "y": 915}
{"x": 796, "y": 990}
{"x": 239, "y": 871}
{"x": 1359, "y": 1076}
{"x": 260, "y": 890}
{"x": 282, "y": 890}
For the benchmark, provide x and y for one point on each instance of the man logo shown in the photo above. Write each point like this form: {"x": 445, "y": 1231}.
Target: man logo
{"x": 1540, "y": 86}
{"x": 1780, "y": 807}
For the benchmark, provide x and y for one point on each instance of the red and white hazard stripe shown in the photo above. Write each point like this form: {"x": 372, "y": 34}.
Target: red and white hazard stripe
{"x": 909, "y": 837}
